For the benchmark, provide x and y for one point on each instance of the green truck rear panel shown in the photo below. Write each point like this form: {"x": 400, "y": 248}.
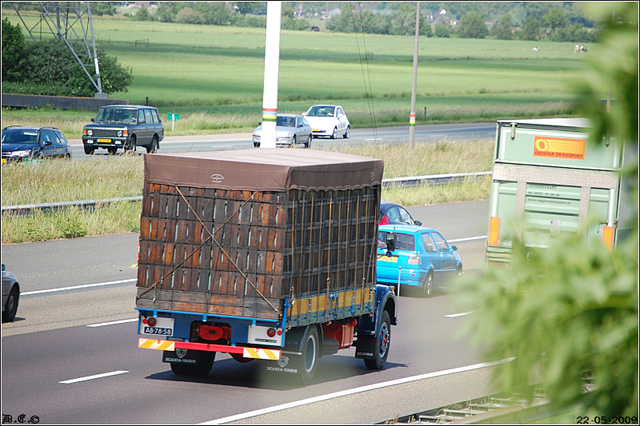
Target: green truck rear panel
{"x": 548, "y": 174}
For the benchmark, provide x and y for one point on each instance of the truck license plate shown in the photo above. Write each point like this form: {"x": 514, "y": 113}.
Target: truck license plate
{"x": 104, "y": 140}
{"x": 163, "y": 327}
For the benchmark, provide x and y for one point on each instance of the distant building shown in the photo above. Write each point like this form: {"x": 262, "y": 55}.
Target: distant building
{"x": 442, "y": 17}
{"x": 330, "y": 14}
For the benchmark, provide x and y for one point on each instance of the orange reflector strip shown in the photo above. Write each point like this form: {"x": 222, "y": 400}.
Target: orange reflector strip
{"x": 163, "y": 345}
{"x": 607, "y": 236}
{"x": 494, "y": 231}
{"x": 271, "y": 354}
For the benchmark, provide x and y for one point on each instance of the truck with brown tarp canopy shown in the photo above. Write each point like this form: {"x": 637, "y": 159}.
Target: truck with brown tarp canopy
{"x": 263, "y": 254}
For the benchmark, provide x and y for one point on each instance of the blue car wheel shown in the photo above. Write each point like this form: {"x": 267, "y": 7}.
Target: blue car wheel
{"x": 427, "y": 286}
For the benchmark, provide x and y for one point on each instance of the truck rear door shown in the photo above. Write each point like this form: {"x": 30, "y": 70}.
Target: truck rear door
{"x": 554, "y": 178}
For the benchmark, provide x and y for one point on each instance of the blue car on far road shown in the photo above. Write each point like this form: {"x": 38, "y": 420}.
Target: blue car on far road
{"x": 421, "y": 258}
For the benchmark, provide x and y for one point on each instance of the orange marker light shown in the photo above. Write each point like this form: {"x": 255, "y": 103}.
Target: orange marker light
{"x": 494, "y": 231}
{"x": 607, "y": 236}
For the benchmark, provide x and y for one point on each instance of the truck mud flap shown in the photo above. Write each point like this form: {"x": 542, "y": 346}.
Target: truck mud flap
{"x": 289, "y": 362}
{"x": 365, "y": 347}
{"x": 181, "y": 356}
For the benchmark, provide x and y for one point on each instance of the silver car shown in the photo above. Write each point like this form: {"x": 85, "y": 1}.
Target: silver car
{"x": 10, "y": 295}
{"x": 291, "y": 129}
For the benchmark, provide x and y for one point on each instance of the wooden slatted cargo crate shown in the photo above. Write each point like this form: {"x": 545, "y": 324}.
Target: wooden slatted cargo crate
{"x": 236, "y": 233}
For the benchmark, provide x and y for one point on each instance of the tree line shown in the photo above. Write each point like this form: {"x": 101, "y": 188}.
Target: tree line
{"x": 560, "y": 22}
{"x": 554, "y": 25}
{"x": 50, "y": 68}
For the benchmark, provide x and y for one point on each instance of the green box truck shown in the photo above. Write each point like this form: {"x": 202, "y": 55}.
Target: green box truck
{"x": 549, "y": 179}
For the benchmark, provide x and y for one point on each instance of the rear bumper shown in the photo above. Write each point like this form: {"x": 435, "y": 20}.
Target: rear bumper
{"x": 246, "y": 352}
{"x": 411, "y": 277}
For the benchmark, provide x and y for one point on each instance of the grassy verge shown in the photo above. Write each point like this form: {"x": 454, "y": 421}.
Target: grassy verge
{"x": 102, "y": 178}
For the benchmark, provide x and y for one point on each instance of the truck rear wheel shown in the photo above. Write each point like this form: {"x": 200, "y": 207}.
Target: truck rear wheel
{"x": 309, "y": 360}
{"x": 381, "y": 349}
{"x": 180, "y": 369}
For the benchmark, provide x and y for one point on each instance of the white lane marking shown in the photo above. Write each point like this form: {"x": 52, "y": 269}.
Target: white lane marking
{"x": 112, "y": 323}
{"x": 207, "y": 141}
{"x": 352, "y": 391}
{"x": 97, "y": 376}
{"x": 459, "y": 240}
{"x": 52, "y": 290}
{"x": 458, "y": 315}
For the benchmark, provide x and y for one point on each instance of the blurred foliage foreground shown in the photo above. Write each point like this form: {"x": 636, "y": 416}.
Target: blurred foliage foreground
{"x": 568, "y": 315}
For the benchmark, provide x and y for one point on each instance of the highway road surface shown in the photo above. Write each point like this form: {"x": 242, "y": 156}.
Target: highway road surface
{"x": 400, "y": 134}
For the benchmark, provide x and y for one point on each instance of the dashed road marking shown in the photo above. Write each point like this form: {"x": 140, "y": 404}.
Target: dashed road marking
{"x": 76, "y": 287}
{"x": 97, "y": 376}
{"x": 112, "y": 323}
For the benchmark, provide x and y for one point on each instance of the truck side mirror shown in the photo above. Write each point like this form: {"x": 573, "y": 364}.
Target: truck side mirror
{"x": 93, "y": 120}
{"x": 391, "y": 243}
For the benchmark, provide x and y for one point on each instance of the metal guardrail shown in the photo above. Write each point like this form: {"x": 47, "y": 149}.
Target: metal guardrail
{"x": 27, "y": 209}
{"x": 432, "y": 179}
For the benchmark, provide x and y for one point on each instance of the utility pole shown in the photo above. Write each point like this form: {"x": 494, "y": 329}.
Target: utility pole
{"x": 412, "y": 115}
{"x": 271, "y": 67}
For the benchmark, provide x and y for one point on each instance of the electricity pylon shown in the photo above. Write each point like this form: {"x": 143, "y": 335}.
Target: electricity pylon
{"x": 70, "y": 22}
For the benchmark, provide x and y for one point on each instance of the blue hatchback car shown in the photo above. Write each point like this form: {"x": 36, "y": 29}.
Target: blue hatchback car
{"x": 421, "y": 258}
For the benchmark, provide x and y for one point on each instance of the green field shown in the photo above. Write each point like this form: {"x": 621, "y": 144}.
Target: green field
{"x": 218, "y": 73}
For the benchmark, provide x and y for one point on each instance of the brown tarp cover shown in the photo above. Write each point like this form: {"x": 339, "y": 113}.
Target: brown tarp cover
{"x": 262, "y": 169}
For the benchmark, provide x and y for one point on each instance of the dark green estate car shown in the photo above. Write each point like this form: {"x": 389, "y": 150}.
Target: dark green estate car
{"x": 123, "y": 126}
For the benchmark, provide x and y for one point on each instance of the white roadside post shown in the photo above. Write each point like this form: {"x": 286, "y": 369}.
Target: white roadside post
{"x": 271, "y": 64}
{"x": 412, "y": 114}
{"x": 398, "y": 301}
{"x": 173, "y": 118}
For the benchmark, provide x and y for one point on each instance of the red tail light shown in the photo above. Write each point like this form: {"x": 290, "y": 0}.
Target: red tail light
{"x": 271, "y": 332}
{"x": 151, "y": 322}
{"x": 384, "y": 220}
{"x": 414, "y": 259}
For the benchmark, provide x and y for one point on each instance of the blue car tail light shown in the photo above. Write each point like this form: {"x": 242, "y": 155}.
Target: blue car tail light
{"x": 414, "y": 259}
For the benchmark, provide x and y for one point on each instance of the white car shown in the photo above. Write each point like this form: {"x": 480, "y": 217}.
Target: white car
{"x": 291, "y": 129}
{"x": 328, "y": 120}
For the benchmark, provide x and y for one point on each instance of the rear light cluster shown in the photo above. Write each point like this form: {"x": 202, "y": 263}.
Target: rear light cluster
{"x": 272, "y": 332}
{"x": 151, "y": 322}
{"x": 414, "y": 259}
{"x": 384, "y": 220}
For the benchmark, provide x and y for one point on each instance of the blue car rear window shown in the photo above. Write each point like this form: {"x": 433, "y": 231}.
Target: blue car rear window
{"x": 403, "y": 241}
